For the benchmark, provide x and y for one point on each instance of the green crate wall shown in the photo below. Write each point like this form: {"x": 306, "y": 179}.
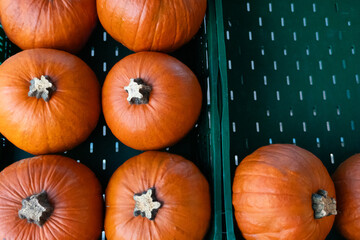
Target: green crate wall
{"x": 290, "y": 74}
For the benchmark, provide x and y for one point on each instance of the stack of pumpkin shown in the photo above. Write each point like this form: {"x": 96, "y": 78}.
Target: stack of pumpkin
{"x": 50, "y": 102}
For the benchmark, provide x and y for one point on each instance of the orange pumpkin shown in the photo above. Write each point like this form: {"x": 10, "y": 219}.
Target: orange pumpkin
{"x": 347, "y": 185}
{"x": 50, "y": 197}
{"x": 283, "y": 192}
{"x": 151, "y": 100}
{"x": 157, "y": 195}
{"x": 60, "y": 24}
{"x": 49, "y": 100}
{"x": 151, "y": 25}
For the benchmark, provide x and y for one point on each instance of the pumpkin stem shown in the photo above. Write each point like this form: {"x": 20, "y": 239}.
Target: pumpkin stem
{"x": 138, "y": 90}
{"x": 41, "y": 88}
{"x": 36, "y": 209}
{"x": 323, "y": 205}
{"x": 146, "y": 204}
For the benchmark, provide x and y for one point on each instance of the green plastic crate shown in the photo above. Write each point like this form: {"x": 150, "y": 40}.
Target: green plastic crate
{"x": 103, "y": 153}
{"x": 290, "y": 73}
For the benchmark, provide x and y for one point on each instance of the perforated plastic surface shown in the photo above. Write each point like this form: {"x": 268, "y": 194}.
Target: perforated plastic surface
{"x": 292, "y": 70}
{"x": 103, "y": 153}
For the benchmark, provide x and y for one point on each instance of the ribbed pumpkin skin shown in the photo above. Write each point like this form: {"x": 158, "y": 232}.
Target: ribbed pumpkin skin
{"x": 72, "y": 189}
{"x": 173, "y": 108}
{"x": 347, "y": 185}
{"x": 272, "y": 192}
{"x": 63, "y": 122}
{"x": 151, "y": 25}
{"x": 179, "y": 185}
{"x": 60, "y": 24}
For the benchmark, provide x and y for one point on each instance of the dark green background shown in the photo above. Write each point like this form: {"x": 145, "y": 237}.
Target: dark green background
{"x": 293, "y": 76}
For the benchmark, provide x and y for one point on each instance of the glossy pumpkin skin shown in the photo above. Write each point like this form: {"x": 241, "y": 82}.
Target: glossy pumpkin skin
{"x": 152, "y": 25}
{"x": 347, "y": 185}
{"x": 63, "y": 122}
{"x": 72, "y": 189}
{"x": 173, "y": 108}
{"x": 179, "y": 185}
{"x": 272, "y": 194}
{"x": 59, "y": 24}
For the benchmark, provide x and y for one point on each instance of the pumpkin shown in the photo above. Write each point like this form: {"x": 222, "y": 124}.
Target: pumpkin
{"x": 283, "y": 192}
{"x": 60, "y": 24}
{"x": 49, "y": 100}
{"x": 157, "y": 195}
{"x": 347, "y": 185}
{"x": 151, "y": 25}
{"x": 50, "y": 197}
{"x": 150, "y": 100}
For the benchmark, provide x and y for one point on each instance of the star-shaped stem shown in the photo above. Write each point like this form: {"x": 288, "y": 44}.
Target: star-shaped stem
{"x": 138, "y": 90}
{"x": 41, "y": 88}
{"x": 36, "y": 209}
{"x": 323, "y": 205}
{"x": 146, "y": 204}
